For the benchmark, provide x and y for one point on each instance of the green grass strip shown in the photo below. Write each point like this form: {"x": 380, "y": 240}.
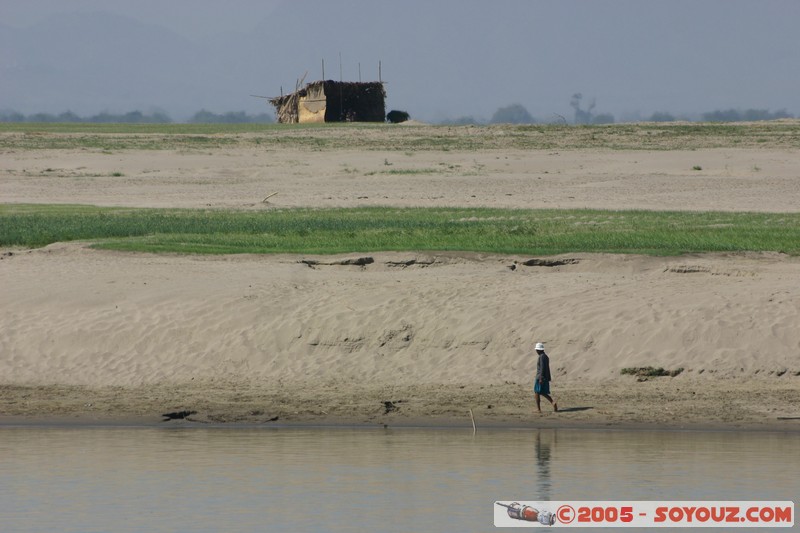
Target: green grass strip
{"x": 329, "y": 231}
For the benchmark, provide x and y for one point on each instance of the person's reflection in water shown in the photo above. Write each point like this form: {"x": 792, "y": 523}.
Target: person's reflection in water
{"x": 543, "y": 480}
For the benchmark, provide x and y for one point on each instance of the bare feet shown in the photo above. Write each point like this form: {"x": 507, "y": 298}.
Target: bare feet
{"x": 555, "y": 406}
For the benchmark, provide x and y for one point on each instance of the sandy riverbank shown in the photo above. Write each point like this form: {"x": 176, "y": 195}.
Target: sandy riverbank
{"x": 96, "y": 335}
{"x": 750, "y": 405}
{"x": 104, "y": 334}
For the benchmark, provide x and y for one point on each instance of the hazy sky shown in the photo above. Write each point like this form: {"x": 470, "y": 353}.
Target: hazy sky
{"x": 441, "y": 59}
{"x": 193, "y": 19}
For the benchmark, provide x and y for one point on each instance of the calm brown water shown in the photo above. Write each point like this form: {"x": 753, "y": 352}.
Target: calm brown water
{"x": 222, "y": 479}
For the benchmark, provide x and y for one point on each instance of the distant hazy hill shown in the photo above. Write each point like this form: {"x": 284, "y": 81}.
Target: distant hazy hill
{"x": 89, "y": 62}
{"x": 77, "y": 61}
{"x": 448, "y": 58}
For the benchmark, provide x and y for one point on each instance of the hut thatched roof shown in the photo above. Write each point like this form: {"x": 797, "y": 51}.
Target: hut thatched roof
{"x": 344, "y": 101}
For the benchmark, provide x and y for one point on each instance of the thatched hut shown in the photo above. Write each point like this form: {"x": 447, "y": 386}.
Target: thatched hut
{"x": 332, "y": 101}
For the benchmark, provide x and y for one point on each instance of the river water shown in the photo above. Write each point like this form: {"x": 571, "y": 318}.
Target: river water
{"x": 177, "y": 478}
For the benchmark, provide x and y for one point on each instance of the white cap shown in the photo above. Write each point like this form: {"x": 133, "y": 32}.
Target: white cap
{"x": 539, "y": 346}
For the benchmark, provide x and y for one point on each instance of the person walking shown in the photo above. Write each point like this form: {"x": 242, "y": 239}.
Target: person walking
{"x": 542, "y": 385}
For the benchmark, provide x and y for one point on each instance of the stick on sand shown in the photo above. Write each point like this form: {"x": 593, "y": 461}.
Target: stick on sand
{"x": 474, "y": 429}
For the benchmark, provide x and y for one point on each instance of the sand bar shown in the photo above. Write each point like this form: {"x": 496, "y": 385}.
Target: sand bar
{"x": 92, "y": 335}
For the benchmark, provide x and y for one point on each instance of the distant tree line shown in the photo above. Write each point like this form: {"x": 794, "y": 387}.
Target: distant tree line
{"x": 137, "y": 117}
{"x": 517, "y": 114}
{"x": 511, "y": 114}
{"x": 231, "y": 117}
{"x": 749, "y": 115}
